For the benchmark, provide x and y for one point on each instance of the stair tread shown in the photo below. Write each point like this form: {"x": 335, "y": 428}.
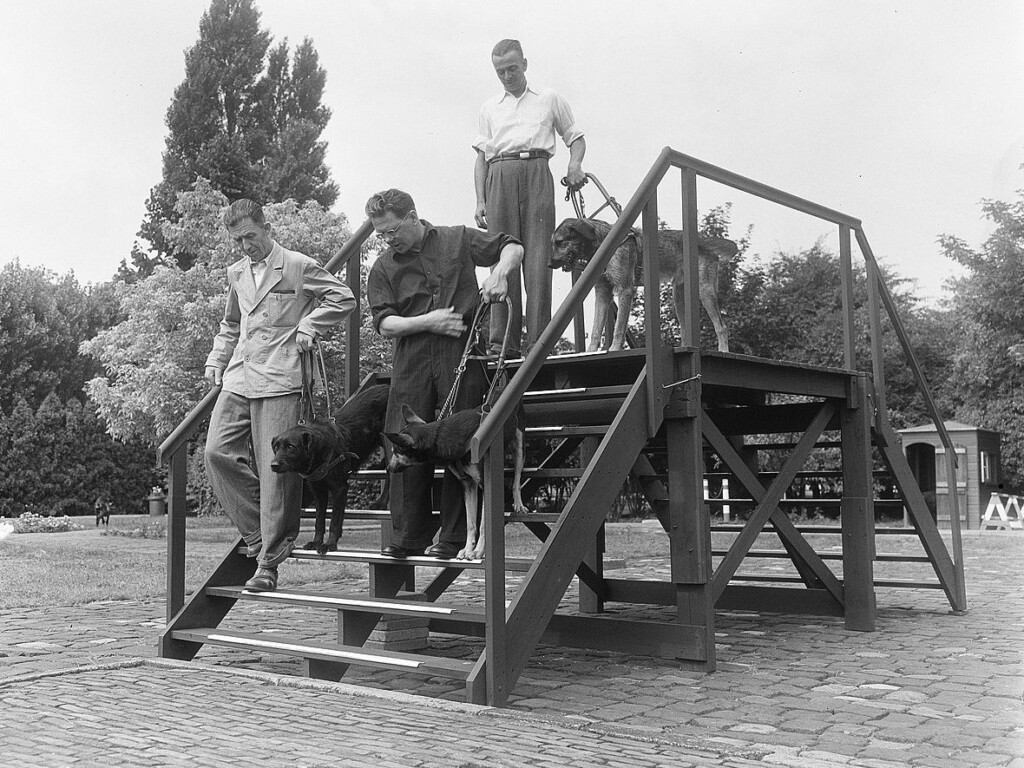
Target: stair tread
{"x": 391, "y": 606}
{"x": 376, "y": 558}
{"x": 441, "y": 666}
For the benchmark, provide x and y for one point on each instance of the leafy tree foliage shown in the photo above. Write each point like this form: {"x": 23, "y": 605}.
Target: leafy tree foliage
{"x": 58, "y": 459}
{"x": 988, "y": 303}
{"x": 43, "y": 319}
{"x": 248, "y": 118}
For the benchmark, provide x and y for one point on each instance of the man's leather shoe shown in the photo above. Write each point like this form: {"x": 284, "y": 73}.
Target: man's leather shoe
{"x": 445, "y": 550}
{"x": 264, "y": 580}
{"x": 393, "y": 550}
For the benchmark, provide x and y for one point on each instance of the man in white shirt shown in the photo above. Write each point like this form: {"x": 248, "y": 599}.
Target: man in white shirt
{"x": 515, "y": 192}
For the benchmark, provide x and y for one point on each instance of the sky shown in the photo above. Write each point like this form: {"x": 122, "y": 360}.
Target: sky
{"x": 904, "y": 114}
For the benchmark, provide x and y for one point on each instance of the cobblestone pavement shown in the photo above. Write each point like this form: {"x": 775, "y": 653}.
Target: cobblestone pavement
{"x": 81, "y": 686}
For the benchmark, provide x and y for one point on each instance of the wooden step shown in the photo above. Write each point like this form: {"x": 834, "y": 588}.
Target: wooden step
{"x": 353, "y": 602}
{"x": 781, "y": 553}
{"x": 569, "y": 395}
{"x": 519, "y": 564}
{"x": 433, "y": 666}
{"x": 557, "y": 432}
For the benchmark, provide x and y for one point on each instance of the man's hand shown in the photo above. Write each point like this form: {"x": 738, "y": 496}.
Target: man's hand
{"x": 213, "y": 375}
{"x": 495, "y": 287}
{"x": 304, "y": 340}
{"x": 445, "y": 322}
{"x": 575, "y": 178}
{"x": 481, "y": 215}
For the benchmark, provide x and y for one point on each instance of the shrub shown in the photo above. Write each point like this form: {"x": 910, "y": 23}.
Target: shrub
{"x": 33, "y": 523}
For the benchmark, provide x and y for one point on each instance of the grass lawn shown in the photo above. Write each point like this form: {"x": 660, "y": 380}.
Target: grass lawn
{"x": 85, "y": 565}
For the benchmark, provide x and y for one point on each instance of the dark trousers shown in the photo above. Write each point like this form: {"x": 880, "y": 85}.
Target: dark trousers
{"x": 422, "y": 377}
{"x": 521, "y": 203}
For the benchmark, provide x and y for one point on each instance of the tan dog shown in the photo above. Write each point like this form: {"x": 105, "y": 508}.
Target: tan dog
{"x": 576, "y": 240}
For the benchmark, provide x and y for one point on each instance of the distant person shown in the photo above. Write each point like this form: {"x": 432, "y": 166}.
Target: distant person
{"x": 278, "y": 303}
{"x": 514, "y": 188}
{"x": 423, "y": 293}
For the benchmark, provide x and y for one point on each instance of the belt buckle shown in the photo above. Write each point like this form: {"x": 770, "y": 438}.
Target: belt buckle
{"x": 524, "y": 155}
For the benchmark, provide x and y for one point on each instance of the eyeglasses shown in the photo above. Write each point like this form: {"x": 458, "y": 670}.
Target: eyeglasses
{"x": 389, "y": 234}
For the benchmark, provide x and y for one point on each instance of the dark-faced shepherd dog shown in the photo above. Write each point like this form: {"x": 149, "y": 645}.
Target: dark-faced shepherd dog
{"x": 446, "y": 443}
{"x": 326, "y": 453}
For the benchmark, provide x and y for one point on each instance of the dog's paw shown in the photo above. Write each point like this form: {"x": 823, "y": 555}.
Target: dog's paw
{"x": 314, "y": 544}
{"x": 520, "y": 509}
{"x": 327, "y": 546}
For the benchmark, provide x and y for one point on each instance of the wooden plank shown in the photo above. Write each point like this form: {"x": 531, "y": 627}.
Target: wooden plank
{"x": 857, "y": 514}
{"x": 434, "y": 666}
{"x": 739, "y": 373}
{"x": 177, "y": 478}
{"x": 658, "y": 359}
{"x": 792, "y": 600}
{"x": 846, "y": 289}
{"x": 544, "y": 585}
{"x": 768, "y": 419}
{"x": 496, "y": 671}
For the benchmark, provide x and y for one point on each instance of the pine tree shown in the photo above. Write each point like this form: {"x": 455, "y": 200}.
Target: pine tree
{"x": 245, "y": 118}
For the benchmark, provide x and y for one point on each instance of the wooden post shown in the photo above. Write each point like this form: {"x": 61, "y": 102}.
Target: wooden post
{"x": 176, "y": 481}
{"x": 959, "y": 588}
{"x": 493, "y": 526}
{"x": 857, "y": 511}
{"x": 589, "y": 600}
{"x": 877, "y": 354}
{"x": 352, "y": 328}
{"x": 657, "y": 362}
{"x": 689, "y": 527}
{"x": 846, "y": 269}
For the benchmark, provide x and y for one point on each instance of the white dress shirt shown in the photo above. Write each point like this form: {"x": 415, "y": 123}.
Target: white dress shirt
{"x": 530, "y": 122}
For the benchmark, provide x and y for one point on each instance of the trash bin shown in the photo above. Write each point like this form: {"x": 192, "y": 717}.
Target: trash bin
{"x": 157, "y": 503}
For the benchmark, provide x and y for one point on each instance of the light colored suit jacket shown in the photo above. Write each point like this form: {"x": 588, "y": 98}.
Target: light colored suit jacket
{"x": 256, "y": 346}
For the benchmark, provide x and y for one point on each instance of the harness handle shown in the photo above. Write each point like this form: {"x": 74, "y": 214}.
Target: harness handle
{"x": 460, "y": 370}
{"x": 313, "y": 381}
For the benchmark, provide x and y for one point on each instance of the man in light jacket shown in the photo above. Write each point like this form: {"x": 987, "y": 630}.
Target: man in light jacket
{"x": 278, "y": 303}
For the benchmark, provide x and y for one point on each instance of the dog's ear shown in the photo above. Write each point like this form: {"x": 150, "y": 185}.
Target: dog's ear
{"x": 400, "y": 439}
{"x": 585, "y": 230}
{"x": 307, "y": 440}
{"x": 410, "y": 415}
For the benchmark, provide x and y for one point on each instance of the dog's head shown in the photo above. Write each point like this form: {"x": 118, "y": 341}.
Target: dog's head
{"x": 410, "y": 446}
{"x": 573, "y": 243}
{"x": 304, "y": 447}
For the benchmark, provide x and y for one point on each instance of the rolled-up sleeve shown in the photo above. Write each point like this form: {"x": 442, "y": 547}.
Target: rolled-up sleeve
{"x": 563, "y": 121}
{"x": 380, "y": 296}
{"x": 485, "y": 248}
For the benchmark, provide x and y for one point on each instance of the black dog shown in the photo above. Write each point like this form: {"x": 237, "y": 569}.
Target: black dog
{"x": 446, "y": 443}
{"x": 102, "y": 507}
{"x": 326, "y": 453}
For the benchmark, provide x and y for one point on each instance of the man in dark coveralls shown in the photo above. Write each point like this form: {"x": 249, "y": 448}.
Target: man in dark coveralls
{"x": 423, "y": 292}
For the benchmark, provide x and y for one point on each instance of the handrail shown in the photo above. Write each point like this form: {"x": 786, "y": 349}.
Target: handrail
{"x": 493, "y": 424}
{"x": 184, "y": 431}
{"x": 904, "y": 339}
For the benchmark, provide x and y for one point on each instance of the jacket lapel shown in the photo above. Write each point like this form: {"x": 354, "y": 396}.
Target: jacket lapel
{"x": 272, "y": 276}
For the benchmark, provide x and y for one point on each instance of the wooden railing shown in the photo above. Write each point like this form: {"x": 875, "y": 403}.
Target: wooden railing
{"x": 174, "y": 450}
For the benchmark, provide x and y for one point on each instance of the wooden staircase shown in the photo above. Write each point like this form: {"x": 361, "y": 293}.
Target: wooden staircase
{"x": 657, "y": 414}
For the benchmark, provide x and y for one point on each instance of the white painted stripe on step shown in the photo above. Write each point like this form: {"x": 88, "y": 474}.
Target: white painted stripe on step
{"x": 385, "y": 608}
{"x": 570, "y": 391}
{"x": 351, "y": 655}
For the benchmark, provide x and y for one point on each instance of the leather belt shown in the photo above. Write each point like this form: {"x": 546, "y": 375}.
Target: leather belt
{"x": 533, "y": 154}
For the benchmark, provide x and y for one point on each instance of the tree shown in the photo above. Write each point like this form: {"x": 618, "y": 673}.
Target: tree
{"x": 989, "y": 307}
{"x": 245, "y": 120}
{"x": 43, "y": 319}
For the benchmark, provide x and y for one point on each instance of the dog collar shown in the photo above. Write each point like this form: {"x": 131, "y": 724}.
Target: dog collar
{"x": 321, "y": 472}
